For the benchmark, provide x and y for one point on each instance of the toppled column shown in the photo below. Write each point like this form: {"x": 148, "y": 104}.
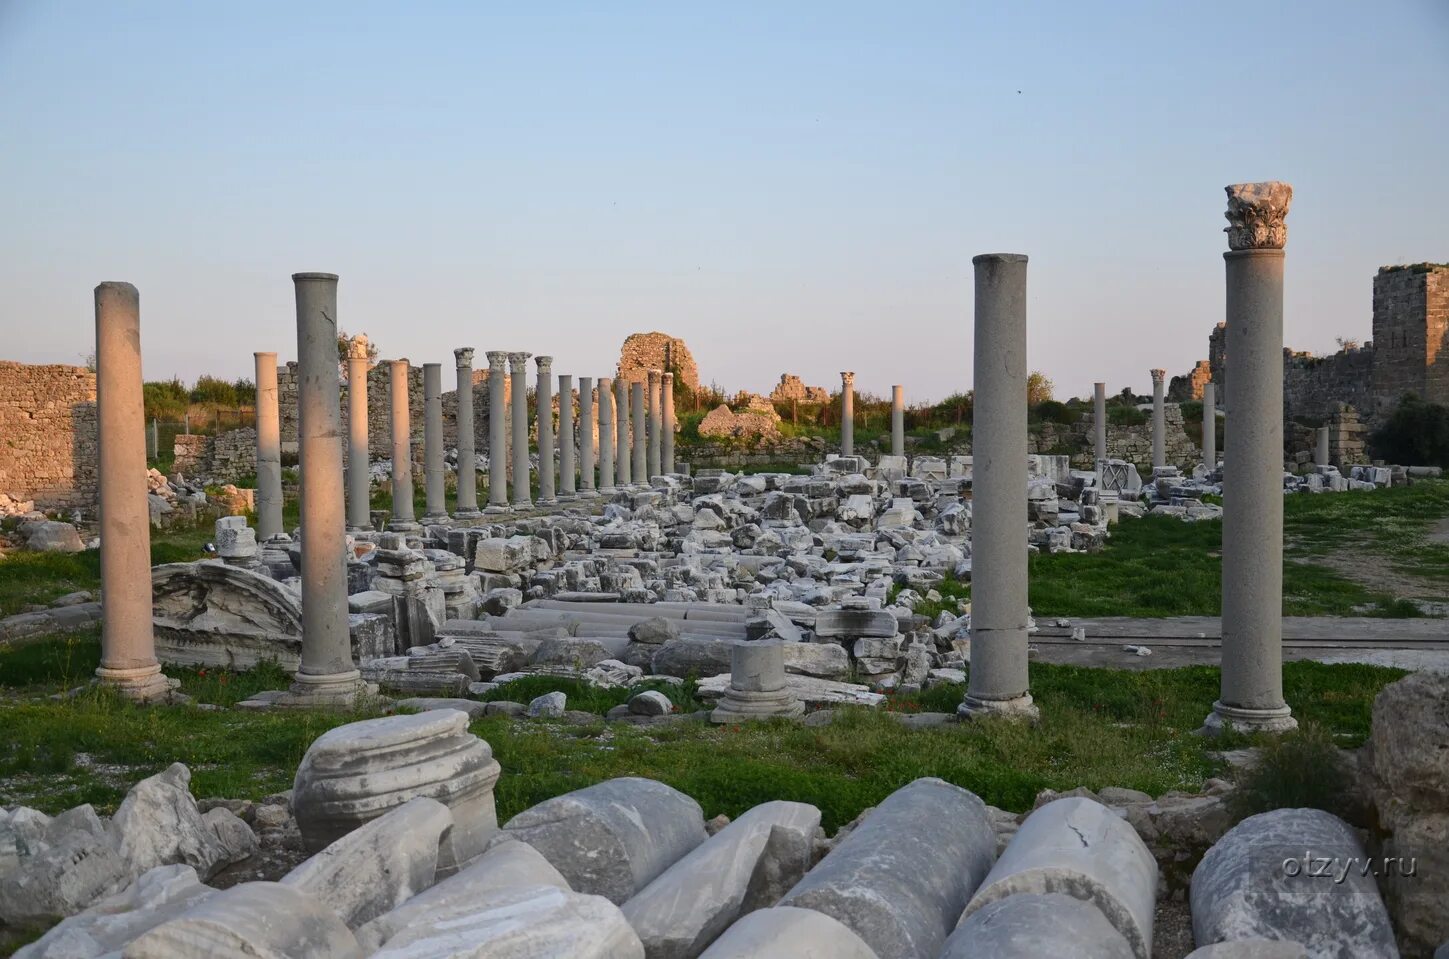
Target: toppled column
{"x": 543, "y": 398}
{"x": 998, "y": 679}
{"x": 403, "y": 520}
{"x": 639, "y": 469}
{"x": 467, "y": 504}
{"x": 758, "y": 688}
{"x": 847, "y": 413}
{"x": 518, "y": 371}
{"x": 497, "y": 433}
{"x": 621, "y": 432}
{"x": 898, "y": 421}
{"x": 1320, "y": 452}
{"x": 1159, "y": 418}
{"x": 656, "y": 421}
{"x": 434, "y": 485}
{"x": 588, "y": 422}
{"x": 667, "y": 452}
{"x": 566, "y": 488}
{"x": 1252, "y": 670}
{"x": 269, "y": 450}
{"x": 1209, "y": 426}
{"x": 607, "y": 432}
{"x": 128, "y": 645}
{"x": 1099, "y": 423}
{"x": 359, "y": 475}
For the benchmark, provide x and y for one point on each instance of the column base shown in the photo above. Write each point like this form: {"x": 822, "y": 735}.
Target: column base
{"x": 1018, "y": 708}
{"x": 607, "y": 490}
{"x": 546, "y": 501}
{"x": 568, "y": 496}
{"x": 497, "y": 509}
{"x": 436, "y": 519}
{"x": 334, "y": 691}
{"x": 738, "y": 705}
{"x": 467, "y": 512}
{"x": 142, "y": 684}
{"x": 281, "y": 539}
{"x": 521, "y": 504}
{"x": 1242, "y": 719}
{"x": 404, "y": 526}
{"x": 360, "y": 529}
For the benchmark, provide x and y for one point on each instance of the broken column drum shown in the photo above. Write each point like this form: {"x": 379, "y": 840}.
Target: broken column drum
{"x": 434, "y": 485}
{"x": 269, "y": 450}
{"x": 1209, "y": 426}
{"x": 403, "y": 519}
{"x": 667, "y": 449}
{"x": 128, "y": 644}
{"x": 1252, "y": 649}
{"x": 847, "y": 413}
{"x": 1159, "y": 419}
{"x": 359, "y": 476}
{"x": 1099, "y": 423}
{"x": 898, "y": 421}
{"x": 621, "y": 432}
{"x": 543, "y": 398}
{"x": 566, "y": 487}
{"x": 497, "y": 432}
{"x": 758, "y": 686}
{"x": 639, "y": 469}
{"x": 518, "y": 371}
{"x": 998, "y": 680}
{"x": 656, "y": 420}
{"x": 467, "y": 503}
{"x": 606, "y": 435}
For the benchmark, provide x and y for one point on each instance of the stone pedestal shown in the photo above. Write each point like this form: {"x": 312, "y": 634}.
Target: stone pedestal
{"x": 639, "y": 468}
{"x": 236, "y": 542}
{"x": 467, "y": 502}
{"x": 1159, "y": 419}
{"x": 655, "y": 420}
{"x": 128, "y": 645}
{"x": 608, "y": 430}
{"x": 758, "y": 687}
{"x": 998, "y": 680}
{"x": 1209, "y": 426}
{"x": 588, "y": 423}
{"x": 898, "y": 421}
{"x": 403, "y": 520}
{"x": 359, "y": 476}
{"x": 1099, "y": 424}
{"x": 518, "y": 373}
{"x": 543, "y": 399}
{"x": 566, "y": 488}
{"x": 497, "y": 433}
{"x": 847, "y": 413}
{"x": 667, "y": 453}
{"x": 622, "y": 466}
{"x": 435, "y": 488}
{"x": 1252, "y": 671}
{"x": 269, "y": 450}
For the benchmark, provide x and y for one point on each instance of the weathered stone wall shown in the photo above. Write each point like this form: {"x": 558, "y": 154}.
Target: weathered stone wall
{"x": 791, "y": 387}
{"x": 643, "y": 352}
{"x": 1411, "y": 334}
{"x": 223, "y": 458}
{"x": 800, "y": 450}
{"x": 48, "y": 447}
{"x": 1130, "y": 443}
{"x": 1314, "y": 386}
{"x": 1189, "y": 387}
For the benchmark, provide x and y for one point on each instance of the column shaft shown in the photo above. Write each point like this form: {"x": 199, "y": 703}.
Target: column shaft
{"x": 1159, "y": 418}
{"x": 467, "y": 501}
{"x": 621, "y": 431}
{"x": 898, "y": 421}
{"x": 359, "y": 474}
{"x": 435, "y": 489}
{"x": 1099, "y": 422}
{"x": 518, "y": 370}
{"x": 403, "y": 517}
{"x": 1320, "y": 453}
{"x": 497, "y": 432}
{"x": 656, "y": 422}
{"x": 1209, "y": 426}
{"x": 667, "y": 454}
{"x": 847, "y": 414}
{"x": 269, "y": 450}
{"x": 566, "y": 486}
{"x": 587, "y": 424}
{"x": 607, "y": 431}
{"x": 543, "y": 400}
{"x": 639, "y": 469}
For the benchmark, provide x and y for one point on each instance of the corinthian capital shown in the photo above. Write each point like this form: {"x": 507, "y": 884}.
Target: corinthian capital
{"x": 1256, "y": 213}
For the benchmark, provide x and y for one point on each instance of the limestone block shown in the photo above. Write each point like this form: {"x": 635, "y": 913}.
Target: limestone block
{"x": 255, "y": 920}
{"x": 1254, "y": 882}
{"x": 854, "y": 624}
{"x": 355, "y": 773}
{"x": 749, "y": 864}
{"x": 902, "y": 877}
{"x": 786, "y": 931}
{"x": 158, "y": 824}
{"x": 808, "y": 689}
{"x": 63, "y": 879}
{"x": 822, "y": 660}
{"x": 54, "y": 537}
{"x": 379, "y": 866}
{"x": 157, "y": 896}
{"x": 651, "y": 702}
{"x": 1410, "y": 742}
{"x": 615, "y": 837}
{"x": 698, "y": 657}
{"x": 1032, "y": 926}
{"x": 1080, "y": 848}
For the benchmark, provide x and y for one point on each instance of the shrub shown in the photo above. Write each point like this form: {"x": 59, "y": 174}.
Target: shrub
{"x": 1123, "y": 415}
{"x": 209, "y": 389}
{"x": 165, "y": 399}
{"x": 1415, "y": 434}
{"x": 1298, "y": 770}
{"x": 1054, "y": 411}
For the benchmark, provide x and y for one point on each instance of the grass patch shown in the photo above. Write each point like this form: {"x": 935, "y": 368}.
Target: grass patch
{"x": 1300, "y": 770}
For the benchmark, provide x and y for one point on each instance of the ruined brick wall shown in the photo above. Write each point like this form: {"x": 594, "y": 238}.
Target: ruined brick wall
{"x": 1411, "y": 334}
{"x": 1189, "y": 387}
{"x": 1315, "y": 386}
{"x": 791, "y": 387}
{"x": 1130, "y": 443}
{"x": 223, "y": 458}
{"x": 48, "y": 446}
{"x": 643, "y": 352}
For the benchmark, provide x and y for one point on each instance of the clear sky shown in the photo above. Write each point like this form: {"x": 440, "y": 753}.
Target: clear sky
{"x": 789, "y": 186}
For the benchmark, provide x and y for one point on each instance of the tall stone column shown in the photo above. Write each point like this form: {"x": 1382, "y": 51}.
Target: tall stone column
{"x": 543, "y": 398}
{"x": 403, "y": 518}
{"x": 497, "y": 433}
{"x": 639, "y": 469}
{"x": 128, "y": 644}
{"x": 607, "y": 431}
{"x": 1320, "y": 453}
{"x": 656, "y": 423}
{"x": 667, "y": 453}
{"x": 1099, "y": 424}
{"x": 467, "y": 504}
{"x": 1252, "y": 672}
{"x": 998, "y": 679}
{"x": 359, "y": 455}
{"x": 269, "y": 450}
{"x": 1209, "y": 426}
{"x": 434, "y": 487}
{"x": 898, "y": 421}
{"x": 587, "y": 423}
{"x": 566, "y": 487}
{"x": 518, "y": 372}
{"x": 1159, "y": 418}
{"x": 621, "y": 432}
{"x": 847, "y": 414}
{"x": 327, "y": 674}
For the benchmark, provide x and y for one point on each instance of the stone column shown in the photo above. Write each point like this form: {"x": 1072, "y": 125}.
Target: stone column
{"x": 998, "y": 678}
{"x": 667, "y": 453}
{"x": 656, "y": 422}
{"x": 1209, "y": 426}
{"x": 403, "y": 519}
{"x": 1099, "y": 422}
{"x": 543, "y": 401}
{"x": 759, "y": 687}
{"x": 566, "y": 436}
{"x": 327, "y": 674}
{"x": 269, "y": 451}
{"x": 847, "y": 414}
{"x": 621, "y": 431}
{"x": 1320, "y": 454}
{"x": 128, "y": 644}
{"x": 518, "y": 371}
{"x": 1159, "y": 418}
{"x": 359, "y": 455}
{"x": 898, "y": 421}
{"x": 587, "y": 422}
{"x": 497, "y": 433}
{"x": 434, "y": 486}
{"x": 467, "y": 505}
{"x": 639, "y": 469}
{"x": 1252, "y": 671}
{"x": 607, "y": 473}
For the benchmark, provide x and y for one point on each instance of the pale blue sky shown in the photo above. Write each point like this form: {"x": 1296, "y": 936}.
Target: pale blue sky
{"x": 788, "y": 186}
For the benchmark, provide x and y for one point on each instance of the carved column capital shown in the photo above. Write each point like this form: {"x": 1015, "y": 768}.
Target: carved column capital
{"x": 1256, "y": 213}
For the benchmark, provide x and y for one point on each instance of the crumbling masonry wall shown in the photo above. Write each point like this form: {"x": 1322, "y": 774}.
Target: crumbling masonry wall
{"x": 48, "y": 448}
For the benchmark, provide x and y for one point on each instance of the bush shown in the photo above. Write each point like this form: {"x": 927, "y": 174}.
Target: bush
{"x": 1299, "y": 770}
{"x": 1055, "y": 411}
{"x": 1415, "y": 434}
{"x": 1123, "y": 415}
{"x": 209, "y": 389}
{"x": 165, "y": 400}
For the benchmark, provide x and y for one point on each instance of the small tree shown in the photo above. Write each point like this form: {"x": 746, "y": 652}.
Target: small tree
{"x": 1039, "y": 389}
